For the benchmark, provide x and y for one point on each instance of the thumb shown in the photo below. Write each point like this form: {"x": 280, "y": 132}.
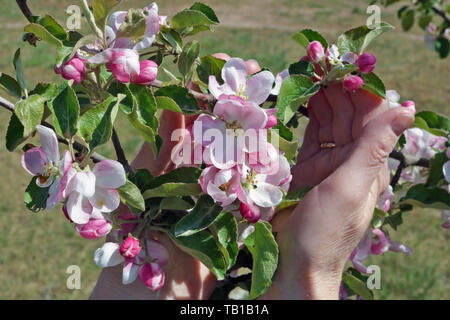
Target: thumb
{"x": 370, "y": 153}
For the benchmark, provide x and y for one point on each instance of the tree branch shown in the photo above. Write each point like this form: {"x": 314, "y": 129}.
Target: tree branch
{"x": 76, "y": 145}
{"x": 439, "y": 12}
{"x": 25, "y": 9}
{"x": 119, "y": 152}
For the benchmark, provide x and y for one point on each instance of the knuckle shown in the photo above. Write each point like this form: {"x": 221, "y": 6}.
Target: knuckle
{"x": 379, "y": 153}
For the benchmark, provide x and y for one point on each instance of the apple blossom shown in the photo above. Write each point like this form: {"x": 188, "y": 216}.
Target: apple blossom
{"x": 130, "y": 247}
{"x": 366, "y": 63}
{"x": 94, "y": 228}
{"x": 234, "y": 75}
{"x": 422, "y": 144}
{"x": 153, "y": 22}
{"x": 409, "y": 104}
{"x": 368, "y": 246}
{"x": 280, "y": 77}
{"x": 353, "y": 83}
{"x": 249, "y": 214}
{"x": 393, "y": 98}
{"x": 93, "y": 192}
{"x": 384, "y": 203}
{"x": 252, "y": 66}
{"x": 334, "y": 58}
{"x": 316, "y": 52}
{"x": 222, "y": 56}
{"x": 147, "y": 73}
{"x": 46, "y": 165}
{"x": 73, "y": 69}
{"x": 123, "y": 63}
{"x": 219, "y": 184}
{"x": 152, "y": 276}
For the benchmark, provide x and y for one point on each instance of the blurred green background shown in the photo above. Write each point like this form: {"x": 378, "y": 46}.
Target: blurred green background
{"x": 37, "y": 248}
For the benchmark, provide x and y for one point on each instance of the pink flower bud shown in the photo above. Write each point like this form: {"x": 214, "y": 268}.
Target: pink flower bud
{"x": 152, "y": 276}
{"x": 316, "y": 51}
{"x": 130, "y": 247}
{"x": 353, "y": 83}
{"x": 249, "y": 214}
{"x": 252, "y": 66}
{"x": 271, "y": 121}
{"x": 222, "y": 56}
{"x": 147, "y": 74}
{"x": 124, "y": 64}
{"x": 72, "y": 70}
{"x": 366, "y": 63}
{"x": 94, "y": 229}
{"x": 409, "y": 104}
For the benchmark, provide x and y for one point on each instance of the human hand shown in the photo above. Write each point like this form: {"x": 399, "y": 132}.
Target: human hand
{"x": 316, "y": 238}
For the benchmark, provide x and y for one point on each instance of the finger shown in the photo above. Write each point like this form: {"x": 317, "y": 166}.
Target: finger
{"x": 319, "y": 106}
{"x": 368, "y": 156}
{"x": 343, "y": 112}
{"x": 169, "y": 121}
{"x": 367, "y": 106}
{"x": 310, "y": 145}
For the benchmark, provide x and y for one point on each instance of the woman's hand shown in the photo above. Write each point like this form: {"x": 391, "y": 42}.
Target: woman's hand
{"x": 316, "y": 238}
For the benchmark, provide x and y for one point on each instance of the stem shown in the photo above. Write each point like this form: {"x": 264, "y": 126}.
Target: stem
{"x": 25, "y": 9}
{"x": 398, "y": 173}
{"x": 90, "y": 19}
{"x": 439, "y": 12}
{"x": 119, "y": 152}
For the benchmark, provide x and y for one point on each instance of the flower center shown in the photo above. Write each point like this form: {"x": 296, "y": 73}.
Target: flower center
{"x": 241, "y": 91}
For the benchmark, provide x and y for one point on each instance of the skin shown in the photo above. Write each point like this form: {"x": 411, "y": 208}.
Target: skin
{"x": 316, "y": 237}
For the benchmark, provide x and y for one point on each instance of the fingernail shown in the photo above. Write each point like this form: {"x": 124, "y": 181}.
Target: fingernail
{"x": 402, "y": 122}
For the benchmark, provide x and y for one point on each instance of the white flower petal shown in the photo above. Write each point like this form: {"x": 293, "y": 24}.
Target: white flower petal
{"x": 130, "y": 272}
{"x": 105, "y": 200}
{"x": 109, "y": 174}
{"x": 78, "y": 208}
{"x": 259, "y": 87}
{"x": 234, "y": 73}
{"x": 266, "y": 195}
{"x": 49, "y": 143}
{"x": 108, "y": 255}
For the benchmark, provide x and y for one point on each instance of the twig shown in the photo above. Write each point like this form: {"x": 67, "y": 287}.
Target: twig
{"x": 398, "y": 173}
{"x": 438, "y": 12}
{"x": 76, "y": 145}
{"x": 25, "y": 9}
{"x": 119, "y": 152}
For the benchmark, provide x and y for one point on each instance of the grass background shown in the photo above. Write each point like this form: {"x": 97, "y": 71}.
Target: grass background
{"x": 36, "y": 249}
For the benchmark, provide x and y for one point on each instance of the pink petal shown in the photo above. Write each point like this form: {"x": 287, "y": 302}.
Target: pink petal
{"x": 157, "y": 251}
{"x": 105, "y": 200}
{"x": 234, "y": 74}
{"x": 49, "y": 143}
{"x": 109, "y": 174}
{"x": 152, "y": 276}
{"x": 259, "y": 87}
{"x": 34, "y": 160}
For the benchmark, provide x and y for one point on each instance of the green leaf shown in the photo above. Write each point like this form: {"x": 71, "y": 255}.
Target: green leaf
{"x": 208, "y": 11}
{"x": 283, "y": 131}
{"x": 190, "y": 18}
{"x": 187, "y": 57}
{"x": 10, "y": 85}
{"x": 29, "y": 112}
{"x": 19, "y": 69}
{"x": 436, "y": 174}
{"x": 132, "y": 197}
{"x": 104, "y": 123}
{"x": 65, "y": 108}
{"x": 295, "y": 90}
{"x": 46, "y": 90}
{"x": 171, "y": 37}
{"x": 302, "y": 67}
{"x": 180, "y": 175}
{"x": 425, "y": 20}
{"x": 421, "y": 196}
{"x": 65, "y": 53}
{"x": 175, "y": 203}
{"x": 167, "y": 103}
{"x": 289, "y": 148}
{"x": 134, "y": 25}
{"x": 101, "y": 10}
{"x": 203, "y": 247}
{"x": 264, "y": 250}
{"x": 378, "y": 218}
{"x": 141, "y": 179}
{"x": 356, "y": 40}
{"x": 174, "y": 188}
{"x": 35, "y": 196}
{"x": 143, "y": 116}
{"x": 126, "y": 104}
{"x": 374, "y": 84}
{"x": 92, "y": 118}
{"x": 200, "y": 218}
{"x": 433, "y": 123}
{"x": 14, "y": 134}
{"x": 43, "y": 33}
{"x": 53, "y": 27}
{"x": 306, "y": 36}
{"x": 186, "y": 101}
{"x": 408, "y": 19}
{"x": 210, "y": 66}
{"x": 226, "y": 233}
{"x": 357, "y": 285}
{"x": 442, "y": 45}
{"x": 293, "y": 197}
